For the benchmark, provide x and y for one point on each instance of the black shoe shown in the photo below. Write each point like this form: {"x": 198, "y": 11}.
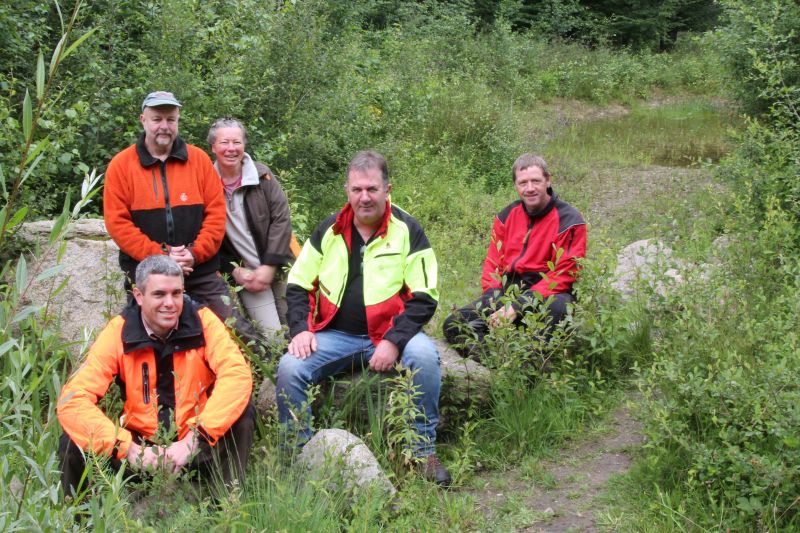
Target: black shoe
{"x": 433, "y": 470}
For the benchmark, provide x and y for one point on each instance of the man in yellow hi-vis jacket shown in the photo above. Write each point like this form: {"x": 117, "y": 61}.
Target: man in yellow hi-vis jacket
{"x": 359, "y": 294}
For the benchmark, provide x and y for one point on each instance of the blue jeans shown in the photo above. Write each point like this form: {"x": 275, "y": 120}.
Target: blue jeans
{"x": 339, "y": 352}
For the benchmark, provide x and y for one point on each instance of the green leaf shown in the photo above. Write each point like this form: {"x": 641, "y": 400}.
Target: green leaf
{"x": 27, "y": 116}
{"x": 60, "y": 16}
{"x": 17, "y": 217}
{"x": 22, "y": 273}
{"x": 50, "y": 272}
{"x": 31, "y": 168}
{"x": 77, "y": 43}
{"x": 6, "y": 346}
{"x": 25, "y": 312}
{"x": 56, "y": 54}
{"x": 37, "y": 149}
{"x": 58, "y": 225}
{"x": 791, "y": 441}
{"x": 40, "y": 77}
{"x": 61, "y": 285}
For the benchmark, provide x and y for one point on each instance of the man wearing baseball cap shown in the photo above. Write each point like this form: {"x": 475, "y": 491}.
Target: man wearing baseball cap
{"x": 163, "y": 196}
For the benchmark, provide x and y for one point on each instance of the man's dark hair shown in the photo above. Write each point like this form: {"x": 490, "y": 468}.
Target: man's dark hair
{"x": 526, "y": 161}
{"x": 367, "y": 160}
{"x": 156, "y": 264}
{"x": 225, "y": 122}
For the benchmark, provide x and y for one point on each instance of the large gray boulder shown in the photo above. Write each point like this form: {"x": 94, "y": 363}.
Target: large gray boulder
{"x": 343, "y": 460}
{"x": 646, "y": 263}
{"x": 93, "y": 291}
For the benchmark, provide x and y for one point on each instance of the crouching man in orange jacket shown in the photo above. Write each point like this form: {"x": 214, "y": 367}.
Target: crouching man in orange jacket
{"x": 167, "y": 357}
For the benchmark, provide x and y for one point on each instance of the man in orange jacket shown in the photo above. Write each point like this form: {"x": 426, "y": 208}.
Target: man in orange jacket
{"x": 162, "y": 195}
{"x": 167, "y": 356}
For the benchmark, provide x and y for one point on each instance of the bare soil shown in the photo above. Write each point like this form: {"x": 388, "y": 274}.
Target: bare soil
{"x": 563, "y": 495}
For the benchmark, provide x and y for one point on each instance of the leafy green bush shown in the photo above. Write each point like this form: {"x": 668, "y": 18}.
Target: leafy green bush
{"x": 762, "y": 43}
{"x": 723, "y": 394}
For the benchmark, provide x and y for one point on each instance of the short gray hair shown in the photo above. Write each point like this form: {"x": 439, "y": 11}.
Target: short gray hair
{"x": 367, "y": 160}
{"x": 225, "y": 122}
{"x": 156, "y": 264}
{"x": 526, "y": 161}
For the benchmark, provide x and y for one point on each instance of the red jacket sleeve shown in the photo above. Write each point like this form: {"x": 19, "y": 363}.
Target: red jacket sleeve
{"x": 568, "y": 247}
{"x": 494, "y": 265}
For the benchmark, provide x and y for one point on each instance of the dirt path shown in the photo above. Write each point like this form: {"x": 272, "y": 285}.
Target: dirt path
{"x": 562, "y": 495}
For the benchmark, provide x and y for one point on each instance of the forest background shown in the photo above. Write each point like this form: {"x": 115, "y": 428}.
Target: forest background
{"x": 451, "y": 92}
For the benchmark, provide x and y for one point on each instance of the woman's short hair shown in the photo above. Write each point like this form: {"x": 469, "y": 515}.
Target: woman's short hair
{"x": 225, "y": 122}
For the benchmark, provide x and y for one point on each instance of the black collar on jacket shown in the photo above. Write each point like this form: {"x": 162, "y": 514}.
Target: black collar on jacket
{"x": 546, "y": 209}
{"x": 178, "y": 151}
{"x": 187, "y": 336}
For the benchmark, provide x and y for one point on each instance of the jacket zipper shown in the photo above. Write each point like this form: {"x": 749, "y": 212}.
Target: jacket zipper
{"x": 167, "y": 206}
{"x": 145, "y": 383}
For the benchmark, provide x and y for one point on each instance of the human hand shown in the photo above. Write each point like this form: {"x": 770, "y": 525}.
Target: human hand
{"x": 303, "y": 344}
{"x": 385, "y": 356}
{"x": 242, "y": 276}
{"x": 262, "y": 278}
{"x": 183, "y": 256}
{"x": 178, "y": 454}
{"x": 503, "y": 316}
{"x": 143, "y": 457}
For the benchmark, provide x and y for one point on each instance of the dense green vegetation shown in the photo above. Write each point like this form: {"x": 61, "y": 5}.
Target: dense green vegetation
{"x": 451, "y": 92}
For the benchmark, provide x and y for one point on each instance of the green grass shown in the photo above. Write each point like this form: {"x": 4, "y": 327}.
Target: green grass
{"x": 685, "y": 133}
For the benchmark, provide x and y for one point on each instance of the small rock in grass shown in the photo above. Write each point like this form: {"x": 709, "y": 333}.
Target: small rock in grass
{"x": 340, "y": 457}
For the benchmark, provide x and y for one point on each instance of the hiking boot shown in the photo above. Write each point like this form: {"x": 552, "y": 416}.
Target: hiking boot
{"x": 432, "y": 469}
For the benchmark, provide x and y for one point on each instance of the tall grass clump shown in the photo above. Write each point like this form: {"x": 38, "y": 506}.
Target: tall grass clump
{"x": 723, "y": 392}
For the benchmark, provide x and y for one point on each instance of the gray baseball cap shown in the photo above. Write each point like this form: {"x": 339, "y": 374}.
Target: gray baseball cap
{"x": 160, "y": 98}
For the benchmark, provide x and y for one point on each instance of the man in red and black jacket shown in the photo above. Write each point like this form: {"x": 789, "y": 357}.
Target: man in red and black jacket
{"x": 535, "y": 244}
